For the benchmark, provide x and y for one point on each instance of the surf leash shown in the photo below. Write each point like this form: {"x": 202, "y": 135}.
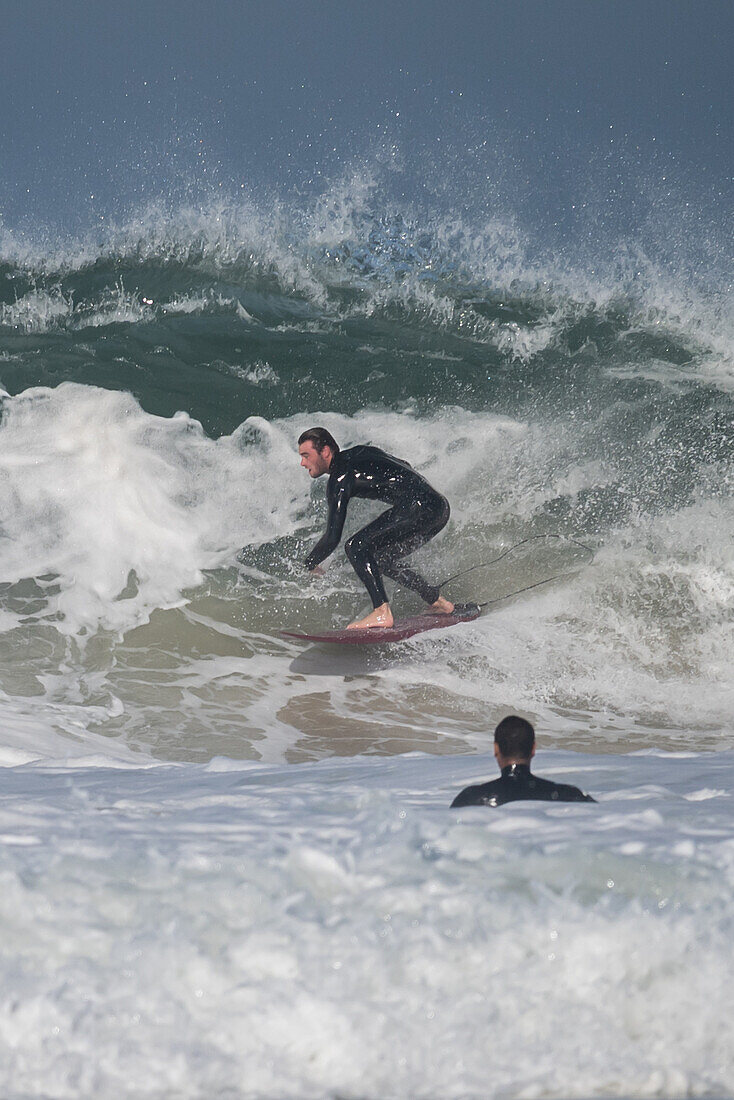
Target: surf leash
{"x": 529, "y": 587}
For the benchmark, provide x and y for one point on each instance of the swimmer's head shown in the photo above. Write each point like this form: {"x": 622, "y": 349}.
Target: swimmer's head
{"x": 317, "y": 447}
{"x": 514, "y": 741}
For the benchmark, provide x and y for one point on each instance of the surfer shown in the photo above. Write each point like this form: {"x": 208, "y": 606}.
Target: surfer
{"x": 514, "y": 748}
{"x": 416, "y": 513}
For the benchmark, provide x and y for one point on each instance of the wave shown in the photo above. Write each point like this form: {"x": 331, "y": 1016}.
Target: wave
{"x": 153, "y": 515}
{"x": 345, "y": 259}
{"x": 147, "y": 568}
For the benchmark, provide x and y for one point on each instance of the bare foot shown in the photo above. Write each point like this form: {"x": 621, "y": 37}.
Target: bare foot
{"x": 381, "y": 616}
{"x": 441, "y": 607}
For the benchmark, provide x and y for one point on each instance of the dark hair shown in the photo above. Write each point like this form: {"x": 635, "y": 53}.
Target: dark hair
{"x": 320, "y": 439}
{"x": 515, "y": 737}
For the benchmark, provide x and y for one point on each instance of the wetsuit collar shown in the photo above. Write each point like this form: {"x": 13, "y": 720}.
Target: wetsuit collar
{"x": 516, "y": 771}
{"x": 335, "y": 463}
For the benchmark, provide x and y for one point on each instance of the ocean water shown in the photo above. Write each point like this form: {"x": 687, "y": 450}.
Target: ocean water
{"x": 228, "y": 861}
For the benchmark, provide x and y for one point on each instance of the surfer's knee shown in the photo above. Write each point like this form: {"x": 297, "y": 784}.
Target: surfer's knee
{"x": 355, "y": 548}
{"x": 443, "y": 514}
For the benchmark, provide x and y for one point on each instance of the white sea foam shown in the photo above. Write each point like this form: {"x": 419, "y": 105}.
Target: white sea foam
{"x": 123, "y": 517}
{"x": 126, "y": 509}
{"x": 44, "y": 311}
{"x": 37, "y": 311}
{"x": 336, "y": 929}
{"x": 259, "y": 373}
{"x": 523, "y": 342}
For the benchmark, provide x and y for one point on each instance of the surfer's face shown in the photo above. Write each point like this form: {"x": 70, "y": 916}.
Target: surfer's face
{"x": 316, "y": 464}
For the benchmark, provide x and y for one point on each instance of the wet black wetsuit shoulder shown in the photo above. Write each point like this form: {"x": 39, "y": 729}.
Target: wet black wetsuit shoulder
{"x": 517, "y": 783}
{"x": 368, "y": 472}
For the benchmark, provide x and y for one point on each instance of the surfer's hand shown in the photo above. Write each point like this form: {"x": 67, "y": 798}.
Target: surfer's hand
{"x": 317, "y": 571}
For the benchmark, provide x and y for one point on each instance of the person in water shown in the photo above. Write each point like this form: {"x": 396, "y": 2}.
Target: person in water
{"x": 416, "y": 513}
{"x": 514, "y": 748}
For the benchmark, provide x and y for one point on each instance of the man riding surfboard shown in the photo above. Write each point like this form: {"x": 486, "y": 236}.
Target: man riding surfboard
{"x": 416, "y": 513}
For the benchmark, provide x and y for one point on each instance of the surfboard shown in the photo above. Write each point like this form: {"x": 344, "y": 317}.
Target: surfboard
{"x": 381, "y": 635}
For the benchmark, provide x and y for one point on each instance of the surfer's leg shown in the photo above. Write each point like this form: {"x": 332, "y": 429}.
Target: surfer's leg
{"x": 409, "y": 578}
{"x": 360, "y": 551}
{"x": 392, "y": 534}
{"x": 388, "y": 529}
{"x": 416, "y": 529}
{"x": 378, "y": 548}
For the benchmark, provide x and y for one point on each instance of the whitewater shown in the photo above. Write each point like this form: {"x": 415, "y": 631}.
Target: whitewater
{"x": 228, "y": 861}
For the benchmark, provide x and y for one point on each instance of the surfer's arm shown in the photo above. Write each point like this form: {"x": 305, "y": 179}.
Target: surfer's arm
{"x": 338, "y": 498}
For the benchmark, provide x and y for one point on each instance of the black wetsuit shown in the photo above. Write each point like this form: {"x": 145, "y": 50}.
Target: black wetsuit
{"x": 517, "y": 782}
{"x": 417, "y": 513}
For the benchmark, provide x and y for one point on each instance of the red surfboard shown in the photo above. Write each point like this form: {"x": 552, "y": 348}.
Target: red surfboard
{"x": 379, "y": 635}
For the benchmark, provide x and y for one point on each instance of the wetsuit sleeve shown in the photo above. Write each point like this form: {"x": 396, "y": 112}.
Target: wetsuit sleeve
{"x": 337, "y": 495}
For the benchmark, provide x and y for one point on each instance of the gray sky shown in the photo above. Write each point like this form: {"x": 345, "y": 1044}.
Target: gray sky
{"x": 108, "y": 103}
